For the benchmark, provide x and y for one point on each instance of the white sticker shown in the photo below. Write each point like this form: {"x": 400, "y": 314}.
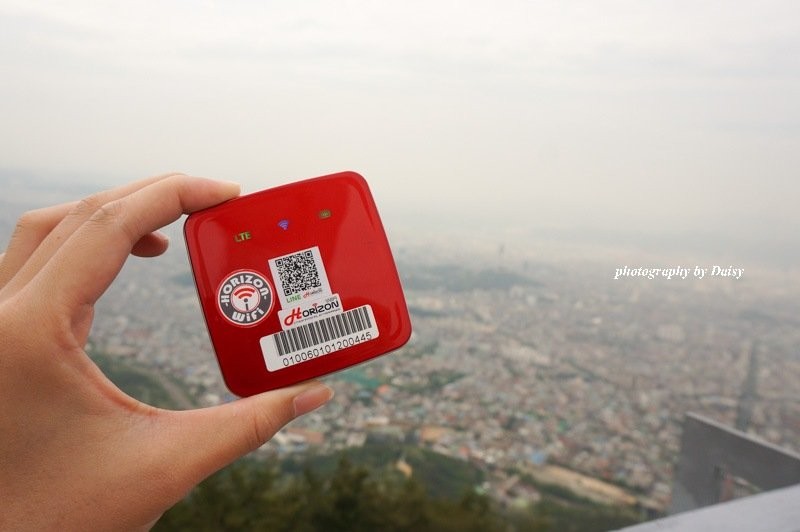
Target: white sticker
{"x": 319, "y": 337}
{"x": 309, "y": 311}
{"x": 299, "y": 276}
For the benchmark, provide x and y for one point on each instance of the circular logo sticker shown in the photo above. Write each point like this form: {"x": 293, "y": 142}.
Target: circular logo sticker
{"x": 245, "y": 298}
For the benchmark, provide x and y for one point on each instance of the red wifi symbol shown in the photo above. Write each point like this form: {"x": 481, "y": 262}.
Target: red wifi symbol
{"x": 244, "y": 292}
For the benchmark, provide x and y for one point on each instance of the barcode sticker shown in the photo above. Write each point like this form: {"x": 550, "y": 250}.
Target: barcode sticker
{"x": 319, "y": 338}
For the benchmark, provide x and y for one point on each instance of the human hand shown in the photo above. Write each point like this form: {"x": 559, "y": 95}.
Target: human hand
{"x": 76, "y": 453}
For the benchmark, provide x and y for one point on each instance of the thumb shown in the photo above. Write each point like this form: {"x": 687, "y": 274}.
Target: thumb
{"x": 203, "y": 441}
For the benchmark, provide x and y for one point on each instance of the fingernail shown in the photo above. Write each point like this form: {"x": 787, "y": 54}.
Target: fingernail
{"x": 233, "y": 186}
{"x": 311, "y": 399}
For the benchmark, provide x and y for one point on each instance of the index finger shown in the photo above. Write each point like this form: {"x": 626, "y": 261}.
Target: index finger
{"x": 87, "y": 263}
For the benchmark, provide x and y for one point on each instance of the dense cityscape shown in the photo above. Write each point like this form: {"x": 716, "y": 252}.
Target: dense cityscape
{"x": 519, "y": 362}
{"x": 525, "y": 360}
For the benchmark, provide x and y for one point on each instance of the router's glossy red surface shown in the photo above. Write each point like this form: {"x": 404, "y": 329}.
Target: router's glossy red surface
{"x": 335, "y": 213}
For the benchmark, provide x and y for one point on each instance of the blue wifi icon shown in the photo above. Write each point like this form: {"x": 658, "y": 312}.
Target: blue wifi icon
{"x": 284, "y": 224}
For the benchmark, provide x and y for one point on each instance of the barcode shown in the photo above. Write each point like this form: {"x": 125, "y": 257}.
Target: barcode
{"x": 317, "y": 338}
{"x": 322, "y": 331}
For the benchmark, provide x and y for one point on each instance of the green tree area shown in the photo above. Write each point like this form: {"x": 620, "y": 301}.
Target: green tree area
{"x": 257, "y": 495}
{"x": 441, "y": 476}
{"x": 146, "y": 385}
{"x": 132, "y": 380}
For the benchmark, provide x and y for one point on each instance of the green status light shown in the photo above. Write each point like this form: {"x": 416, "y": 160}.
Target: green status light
{"x": 324, "y": 213}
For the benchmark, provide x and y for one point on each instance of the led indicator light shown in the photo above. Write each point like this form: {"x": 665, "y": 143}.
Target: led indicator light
{"x": 324, "y": 213}
{"x": 284, "y": 224}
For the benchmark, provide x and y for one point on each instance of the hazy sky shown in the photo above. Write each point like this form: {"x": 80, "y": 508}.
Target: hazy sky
{"x": 643, "y": 115}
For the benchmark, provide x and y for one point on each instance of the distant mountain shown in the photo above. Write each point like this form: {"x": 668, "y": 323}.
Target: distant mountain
{"x": 30, "y": 189}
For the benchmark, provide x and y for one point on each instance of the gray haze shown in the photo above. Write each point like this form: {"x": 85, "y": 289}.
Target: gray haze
{"x": 638, "y": 118}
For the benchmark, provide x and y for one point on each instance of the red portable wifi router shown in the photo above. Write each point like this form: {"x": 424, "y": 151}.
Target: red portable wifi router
{"x": 296, "y": 282}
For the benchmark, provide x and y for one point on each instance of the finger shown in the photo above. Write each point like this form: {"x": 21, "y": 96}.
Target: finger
{"x": 151, "y": 245}
{"x": 77, "y": 276}
{"x": 32, "y": 228}
{"x": 200, "y": 442}
{"x": 71, "y": 221}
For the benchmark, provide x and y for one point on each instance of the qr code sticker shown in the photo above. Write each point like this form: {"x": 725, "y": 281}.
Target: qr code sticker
{"x": 298, "y": 273}
{"x": 299, "y": 276}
